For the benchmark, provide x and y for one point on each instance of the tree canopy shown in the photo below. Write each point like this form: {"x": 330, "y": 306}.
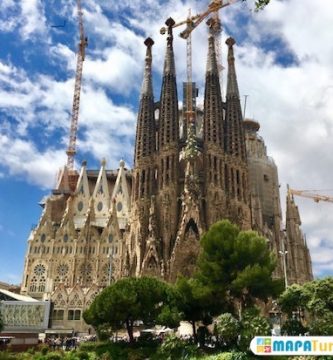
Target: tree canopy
{"x": 260, "y": 4}
{"x": 133, "y": 299}
{"x": 312, "y": 300}
{"x": 196, "y": 301}
{"x": 237, "y": 264}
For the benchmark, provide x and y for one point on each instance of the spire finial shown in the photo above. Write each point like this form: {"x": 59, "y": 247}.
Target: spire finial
{"x": 169, "y": 23}
{"x": 149, "y": 42}
{"x": 169, "y": 63}
{"x": 230, "y": 42}
{"x": 232, "y": 86}
{"x": 147, "y": 88}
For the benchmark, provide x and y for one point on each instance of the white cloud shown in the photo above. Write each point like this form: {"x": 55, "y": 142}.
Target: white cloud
{"x": 33, "y": 18}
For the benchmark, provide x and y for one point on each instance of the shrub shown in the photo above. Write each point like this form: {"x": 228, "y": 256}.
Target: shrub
{"x": 226, "y": 329}
{"x": 175, "y": 348}
{"x": 44, "y": 349}
{"x": 293, "y": 327}
{"x": 253, "y": 324}
{"x": 82, "y": 355}
{"x": 54, "y": 356}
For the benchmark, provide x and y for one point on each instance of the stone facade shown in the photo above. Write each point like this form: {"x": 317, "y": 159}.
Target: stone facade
{"x": 98, "y": 226}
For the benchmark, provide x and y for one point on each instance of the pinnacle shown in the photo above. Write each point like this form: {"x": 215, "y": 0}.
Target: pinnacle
{"x": 149, "y": 42}
{"x": 170, "y": 22}
{"x": 230, "y": 41}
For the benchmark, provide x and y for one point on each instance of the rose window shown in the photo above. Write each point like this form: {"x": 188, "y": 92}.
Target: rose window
{"x": 62, "y": 269}
{"x": 39, "y": 269}
{"x": 85, "y": 269}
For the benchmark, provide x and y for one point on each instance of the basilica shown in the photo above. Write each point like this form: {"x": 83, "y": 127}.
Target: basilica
{"x": 191, "y": 169}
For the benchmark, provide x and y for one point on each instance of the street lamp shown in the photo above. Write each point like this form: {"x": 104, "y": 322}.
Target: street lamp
{"x": 284, "y": 253}
{"x": 110, "y": 257}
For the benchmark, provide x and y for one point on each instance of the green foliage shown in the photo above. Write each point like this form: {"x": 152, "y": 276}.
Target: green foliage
{"x": 238, "y": 264}
{"x": 53, "y": 356}
{"x": 314, "y": 300}
{"x": 322, "y": 326}
{"x": 260, "y": 4}
{"x": 175, "y": 348}
{"x": 253, "y": 324}
{"x": 227, "y": 328}
{"x": 196, "y": 301}
{"x": 132, "y": 299}
{"x": 293, "y": 327}
{"x": 293, "y": 298}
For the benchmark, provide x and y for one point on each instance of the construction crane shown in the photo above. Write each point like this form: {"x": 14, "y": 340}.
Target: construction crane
{"x": 311, "y": 194}
{"x": 191, "y": 23}
{"x": 71, "y": 150}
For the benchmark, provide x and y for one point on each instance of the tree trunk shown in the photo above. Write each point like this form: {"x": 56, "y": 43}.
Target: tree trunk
{"x": 129, "y": 327}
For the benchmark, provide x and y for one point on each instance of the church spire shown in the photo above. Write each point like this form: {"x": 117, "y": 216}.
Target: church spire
{"x": 145, "y": 142}
{"x": 232, "y": 86}
{"x": 169, "y": 63}
{"x": 168, "y": 121}
{"x": 213, "y": 112}
{"x": 213, "y": 139}
{"x": 234, "y": 133}
{"x": 145, "y": 131}
{"x": 147, "y": 86}
{"x": 168, "y": 150}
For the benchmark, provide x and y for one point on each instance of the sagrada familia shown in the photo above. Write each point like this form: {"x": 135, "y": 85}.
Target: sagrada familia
{"x": 101, "y": 225}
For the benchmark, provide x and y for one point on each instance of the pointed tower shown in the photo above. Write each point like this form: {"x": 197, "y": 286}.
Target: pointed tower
{"x": 235, "y": 169}
{"x": 299, "y": 269}
{"x": 143, "y": 186}
{"x": 168, "y": 150}
{"x": 213, "y": 140}
{"x": 120, "y": 195}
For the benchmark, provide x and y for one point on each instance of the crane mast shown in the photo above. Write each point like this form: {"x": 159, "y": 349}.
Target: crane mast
{"x": 190, "y": 114}
{"x": 71, "y": 150}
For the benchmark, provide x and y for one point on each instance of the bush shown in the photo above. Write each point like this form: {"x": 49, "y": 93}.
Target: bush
{"x": 293, "y": 327}
{"x": 82, "y": 355}
{"x": 54, "y": 356}
{"x": 44, "y": 349}
{"x": 175, "y": 348}
{"x": 226, "y": 329}
{"x": 253, "y": 324}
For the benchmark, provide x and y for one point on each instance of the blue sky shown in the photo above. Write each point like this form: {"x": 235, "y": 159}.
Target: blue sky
{"x": 284, "y": 63}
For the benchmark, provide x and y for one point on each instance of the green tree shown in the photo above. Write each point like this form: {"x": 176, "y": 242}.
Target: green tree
{"x": 294, "y": 300}
{"x": 227, "y": 329}
{"x": 311, "y": 302}
{"x": 293, "y": 327}
{"x": 195, "y": 301}
{"x": 237, "y": 265}
{"x": 129, "y": 300}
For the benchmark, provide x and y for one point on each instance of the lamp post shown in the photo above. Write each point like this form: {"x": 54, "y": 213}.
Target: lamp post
{"x": 284, "y": 253}
{"x": 110, "y": 256}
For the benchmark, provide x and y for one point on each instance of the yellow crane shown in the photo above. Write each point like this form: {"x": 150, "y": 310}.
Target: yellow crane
{"x": 71, "y": 150}
{"x": 191, "y": 23}
{"x": 310, "y": 194}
